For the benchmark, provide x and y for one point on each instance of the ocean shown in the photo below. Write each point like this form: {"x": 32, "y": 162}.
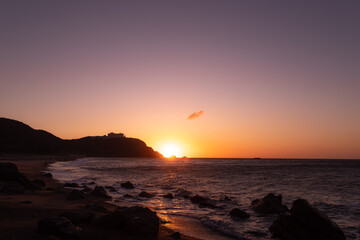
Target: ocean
{"x": 333, "y": 186}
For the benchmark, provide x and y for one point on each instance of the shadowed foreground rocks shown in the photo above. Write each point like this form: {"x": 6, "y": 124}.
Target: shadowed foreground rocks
{"x": 305, "y": 222}
{"x": 270, "y": 204}
{"x": 125, "y": 223}
{"x": 60, "y": 227}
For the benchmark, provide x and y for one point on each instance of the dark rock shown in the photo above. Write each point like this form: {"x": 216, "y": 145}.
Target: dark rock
{"x": 86, "y": 189}
{"x": 51, "y": 237}
{"x": 99, "y": 191}
{"x": 9, "y": 172}
{"x": 169, "y": 196}
{"x": 39, "y": 182}
{"x": 202, "y": 201}
{"x": 91, "y": 183}
{"x": 26, "y": 202}
{"x": 176, "y": 235}
{"x": 75, "y": 195}
{"x": 136, "y": 221}
{"x": 239, "y": 214}
{"x": 96, "y": 207}
{"x": 12, "y": 181}
{"x": 183, "y": 193}
{"x": 110, "y": 188}
{"x": 146, "y": 194}
{"x": 226, "y": 198}
{"x": 305, "y": 222}
{"x": 257, "y": 233}
{"x": 127, "y": 185}
{"x": 49, "y": 189}
{"x": 72, "y": 185}
{"x": 128, "y": 196}
{"x": 60, "y": 227}
{"x": 269, "y": 204}
{"x": 78, "y": 217}
{"x": 49, "y": 175}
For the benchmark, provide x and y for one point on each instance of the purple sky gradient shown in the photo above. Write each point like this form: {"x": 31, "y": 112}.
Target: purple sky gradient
{"x": 275, "y": 79}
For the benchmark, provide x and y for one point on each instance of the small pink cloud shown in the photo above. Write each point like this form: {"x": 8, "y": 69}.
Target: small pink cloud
{"x": 195, "y": 115}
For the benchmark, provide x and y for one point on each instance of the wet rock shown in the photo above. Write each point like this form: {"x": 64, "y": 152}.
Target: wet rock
{"x": 49, "y": 175}
{"x": 146, "y": 194}
{"x": 128, "y": 196}
{"x": 99, "y": 191}
{"x": 257, "y": 233}
{"x": 39, "y": 182}
{"x": 237, "y": 213}
{"x": 226, "y": 198}
{"x": 96, "y": 207}
{"x": 72, "y": 185}
{"x": 135, "y": 221}
{"x": 110, "y": 188}
{"x": 78, "y": 218}
{"x": 176, "y": 235}
{"x": 305, "y": 222}
{"x": 183, "y": 193}
{"x": 269, "y": 204}
{"x": 169, "y": 196}
{"x": 127, "y": 185}
{"x": 202, "y": 201}
{"x": 86, "y": 189}
{"x": 60, "y": 227}
{"x": 75, "y": 195}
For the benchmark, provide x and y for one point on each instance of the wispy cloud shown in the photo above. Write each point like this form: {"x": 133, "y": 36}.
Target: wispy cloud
{"x": 195, "y": 115}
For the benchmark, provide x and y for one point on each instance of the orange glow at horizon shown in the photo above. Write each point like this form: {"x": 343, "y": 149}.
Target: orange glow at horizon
{"x": 170, "y": 149}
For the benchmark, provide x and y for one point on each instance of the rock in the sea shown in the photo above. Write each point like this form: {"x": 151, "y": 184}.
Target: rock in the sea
{"x": 134, "y": 221}
{"x": 237, "y": 213}
{"x": 60, "y": 227}
{"x": 78, "y": 217}
{"x": 110, "y": 188}
{"x": 128, "y": 196}
{"x": 99, "y": 191}
{"x": 305, "y": 222}
{"x": 202, "y": 201}
{"x": 127, "y": 185}
{"x": 269, "y": 204}
{"x": 39, "y": 182}
{"x": 49, "y": 175}
{"x": 86, "y": 189}
{"x": 169, "y": 196}
{"x": 73, "y": 185}
{"x": 75, "y": 195}
{"x": 175, "y": 235}
{"x": 96, "y": 207}
{"x": 146, "y": 194}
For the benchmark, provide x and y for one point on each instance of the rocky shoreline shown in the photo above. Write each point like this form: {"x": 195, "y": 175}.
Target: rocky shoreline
{"x": 35, "y": 206}
{"x": 75, "y": 211}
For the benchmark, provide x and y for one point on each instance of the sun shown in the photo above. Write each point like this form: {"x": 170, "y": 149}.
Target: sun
{"x": 170, "y": 150}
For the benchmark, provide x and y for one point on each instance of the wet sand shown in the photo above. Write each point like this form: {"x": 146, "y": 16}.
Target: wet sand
{"x": 19, "y": 213}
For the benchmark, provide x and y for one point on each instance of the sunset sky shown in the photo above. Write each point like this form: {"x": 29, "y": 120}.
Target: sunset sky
{"x": 215, "y": 78}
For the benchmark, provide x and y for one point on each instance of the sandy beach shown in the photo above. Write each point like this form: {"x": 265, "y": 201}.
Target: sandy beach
{"x": 20, "y": 213}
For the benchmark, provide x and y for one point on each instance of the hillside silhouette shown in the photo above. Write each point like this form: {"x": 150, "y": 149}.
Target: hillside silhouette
{"x": 19, "y": 138}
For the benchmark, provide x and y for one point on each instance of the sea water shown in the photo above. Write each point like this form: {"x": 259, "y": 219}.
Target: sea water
{"x": 333, "y": 186}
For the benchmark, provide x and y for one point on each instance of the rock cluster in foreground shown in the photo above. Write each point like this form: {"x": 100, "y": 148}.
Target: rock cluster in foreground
{"x": 305, "y": 222}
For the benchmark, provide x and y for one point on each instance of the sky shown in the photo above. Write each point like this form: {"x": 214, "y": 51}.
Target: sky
{"x": 271, "y": 79}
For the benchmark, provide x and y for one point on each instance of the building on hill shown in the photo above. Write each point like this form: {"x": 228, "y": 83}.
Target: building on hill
{"x": 116, "y": 135}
